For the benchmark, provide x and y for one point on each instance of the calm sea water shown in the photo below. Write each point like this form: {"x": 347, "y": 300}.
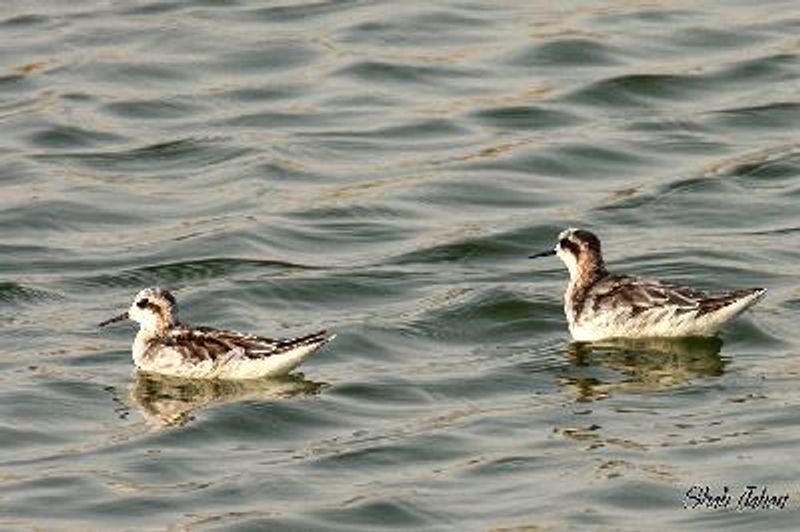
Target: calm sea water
{"x": 382, "y": 169}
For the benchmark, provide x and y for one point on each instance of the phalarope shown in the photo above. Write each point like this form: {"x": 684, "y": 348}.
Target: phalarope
{"x": 600, "y": 305}
{"x": 163, "y": 345}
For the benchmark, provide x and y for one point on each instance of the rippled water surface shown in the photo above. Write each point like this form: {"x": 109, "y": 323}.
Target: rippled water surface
{"x": 383, "y": 169}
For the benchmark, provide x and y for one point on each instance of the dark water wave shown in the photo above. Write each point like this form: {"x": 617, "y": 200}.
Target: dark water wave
{"x": 14, "y": 294}
{"x": 183, "y": 155}
{"x": 189, "y": 271}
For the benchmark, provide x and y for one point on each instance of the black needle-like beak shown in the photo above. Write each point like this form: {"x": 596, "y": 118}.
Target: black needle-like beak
{"x": 543, "y": 254}
{"x": 123, "y": 316}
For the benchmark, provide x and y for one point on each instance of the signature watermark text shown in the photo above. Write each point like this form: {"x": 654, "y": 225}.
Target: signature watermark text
{"x": 746, "y": 498}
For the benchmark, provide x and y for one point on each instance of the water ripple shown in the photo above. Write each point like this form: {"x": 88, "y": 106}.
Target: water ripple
{"x": 166, "y": 156}
{"x": 186, "y": 272}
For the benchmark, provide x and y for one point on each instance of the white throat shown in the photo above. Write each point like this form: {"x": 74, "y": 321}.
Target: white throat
{"x": 148, "y": 322}
{"x": 149, "y": 327}
{"x": 569, "y": 260}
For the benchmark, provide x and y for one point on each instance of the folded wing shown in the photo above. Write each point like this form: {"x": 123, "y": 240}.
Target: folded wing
{"x": 205, "y": 343}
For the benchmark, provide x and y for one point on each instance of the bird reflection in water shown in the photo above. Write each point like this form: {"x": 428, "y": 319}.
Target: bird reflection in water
{"x": 646, "y": 364}
{"x": 172, "y": 401}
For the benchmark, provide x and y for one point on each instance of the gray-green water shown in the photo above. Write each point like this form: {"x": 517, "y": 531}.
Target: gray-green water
{"x": 382, "y": 169}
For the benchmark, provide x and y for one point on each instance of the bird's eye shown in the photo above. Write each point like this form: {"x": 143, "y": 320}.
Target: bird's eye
{"x": 570, "y": 246}
{"x": 142, "y": 303}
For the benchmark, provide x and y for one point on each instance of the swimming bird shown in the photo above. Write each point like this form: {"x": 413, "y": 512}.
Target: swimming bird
{"x": 163, "y": 345}
{"x": 601, "y": 305}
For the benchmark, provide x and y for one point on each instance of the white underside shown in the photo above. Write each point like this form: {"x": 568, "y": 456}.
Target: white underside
{"x": 233, "y": 365}
{"x": 658, "y": 322}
